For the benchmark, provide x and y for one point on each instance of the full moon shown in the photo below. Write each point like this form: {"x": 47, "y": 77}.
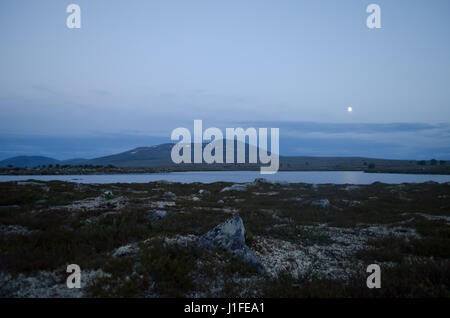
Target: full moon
{"x": 349, "y": 109}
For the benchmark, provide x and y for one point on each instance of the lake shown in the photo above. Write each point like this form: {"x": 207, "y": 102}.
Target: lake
{"x": 318, "y": 177}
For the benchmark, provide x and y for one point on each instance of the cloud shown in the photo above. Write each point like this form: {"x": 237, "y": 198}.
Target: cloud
{"x": 386, "y": 140}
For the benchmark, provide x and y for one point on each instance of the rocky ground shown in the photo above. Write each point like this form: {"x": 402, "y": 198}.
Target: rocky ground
{"x": 257, "y": 239}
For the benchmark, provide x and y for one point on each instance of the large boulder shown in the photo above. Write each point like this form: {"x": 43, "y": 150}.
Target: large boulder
{"x": 230, "y": 235}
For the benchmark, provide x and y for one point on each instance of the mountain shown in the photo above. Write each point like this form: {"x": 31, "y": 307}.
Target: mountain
{"x": 159, "y": 157}
{"x": 155, "y": 156}
{"x": 28, "y": 161}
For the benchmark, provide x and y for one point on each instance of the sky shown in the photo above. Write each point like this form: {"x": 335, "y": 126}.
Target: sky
{"x": 136, "y": 70}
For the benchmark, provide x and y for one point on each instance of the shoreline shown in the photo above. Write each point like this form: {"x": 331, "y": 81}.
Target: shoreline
{"x": 121, "y": 171}
{"x": 237, "y": 177}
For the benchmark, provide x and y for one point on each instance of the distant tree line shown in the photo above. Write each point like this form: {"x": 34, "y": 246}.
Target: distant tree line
{"x": 432, "y": 162}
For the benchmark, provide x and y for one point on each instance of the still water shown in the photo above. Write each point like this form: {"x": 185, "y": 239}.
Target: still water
{"x": 318, "y": 177}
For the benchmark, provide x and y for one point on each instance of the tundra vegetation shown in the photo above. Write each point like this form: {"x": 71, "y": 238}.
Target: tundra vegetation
{"x": 141, "y": 240}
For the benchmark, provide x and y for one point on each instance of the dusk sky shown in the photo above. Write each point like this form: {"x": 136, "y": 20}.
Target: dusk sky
{"x": 138, "y": 69}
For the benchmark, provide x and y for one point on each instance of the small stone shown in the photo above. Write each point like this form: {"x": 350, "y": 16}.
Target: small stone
{"x": 13, "y": 229}
{"x": 108, "y": 194}
{"x": 126, "y": 250}
{"x": 259, "y": 181}
{"x": 154, "y": 215}
{"x": 235, "y": 187}
{"x": 162, "y": 204}
{"x": 324, "y": 203}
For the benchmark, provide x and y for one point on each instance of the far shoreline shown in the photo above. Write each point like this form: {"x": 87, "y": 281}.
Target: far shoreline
{"x": 236, "y": 176}
{"x": 120, "y": 171}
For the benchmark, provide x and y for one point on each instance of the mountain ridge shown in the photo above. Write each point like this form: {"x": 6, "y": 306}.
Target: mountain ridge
{"x": 158, "y": 156}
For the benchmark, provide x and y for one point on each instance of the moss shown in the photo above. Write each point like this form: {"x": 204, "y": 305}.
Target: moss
{"x": 170, "y": 266}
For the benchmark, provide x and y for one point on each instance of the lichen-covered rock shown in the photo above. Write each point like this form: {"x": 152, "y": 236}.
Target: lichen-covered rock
{"x": 45, "y": 284}
{"x": 154, "y": 215}
{"x": 162, "y": 204}
{"x": 13, "y": 229}
{"x": 324, "y": 203}
{"x": 230, "y": 235}
{"x": 126, "y": 250}
{"x": 108, "y": 194}
{"x": 235, "y": 187}
{"x": 169, "y": 194}
{"x": 260, "y": 181}
{"x": 93, "y": 204}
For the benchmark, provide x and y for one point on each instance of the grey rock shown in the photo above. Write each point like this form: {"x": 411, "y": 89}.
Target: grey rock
{"x": 324, "y": 203}
{"x": 108, "y": 194}
{"x": 220, "y": 202}
{"x": 126, "y": 250}
{"x": 154, "y": 215}
{"x": 259, "y": 181}
{"x": 162, "y": 204}
{"x": 45, "y": 284}
{"x": 230, "y": 235}
{"x": 13, "y": 229}
{"x": 351, "y": 188}
{"x": 235, "y": 187}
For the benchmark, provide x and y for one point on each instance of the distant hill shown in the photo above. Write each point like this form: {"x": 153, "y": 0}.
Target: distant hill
{"x": 28, "y": 161}
{"x": 155, "y": 156}
{"x": 159, "y": 157}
